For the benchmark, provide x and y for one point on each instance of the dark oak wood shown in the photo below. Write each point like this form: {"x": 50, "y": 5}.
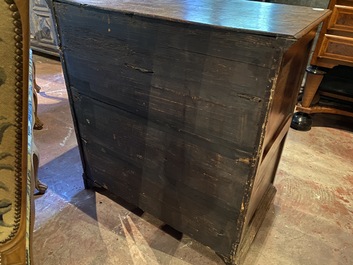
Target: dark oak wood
{"x": 182, "y": 108}
{"x": 236, "y": 15}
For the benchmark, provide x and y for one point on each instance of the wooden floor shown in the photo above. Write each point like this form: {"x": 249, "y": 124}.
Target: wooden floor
{"x": 310, "y": 221}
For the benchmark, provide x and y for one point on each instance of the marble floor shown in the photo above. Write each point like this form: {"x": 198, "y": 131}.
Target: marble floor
{"x": 310, "y": 221}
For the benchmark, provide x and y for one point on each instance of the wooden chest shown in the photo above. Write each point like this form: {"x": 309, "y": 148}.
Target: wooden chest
{"x": 182, "y": 107}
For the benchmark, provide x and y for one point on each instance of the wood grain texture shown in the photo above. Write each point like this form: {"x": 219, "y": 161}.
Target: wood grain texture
{"x": 165, "y": 173}
{"x": 219, "y": 86}
{"x": 238, "y": 15}
{"x": 173, "y": 116}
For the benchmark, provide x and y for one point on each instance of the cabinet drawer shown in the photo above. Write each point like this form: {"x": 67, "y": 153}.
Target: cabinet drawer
{"x": 342, "y": 19}
{"x": 337, "y": 48}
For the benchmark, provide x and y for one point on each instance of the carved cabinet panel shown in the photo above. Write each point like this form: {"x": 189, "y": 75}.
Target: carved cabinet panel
{"x": 337, "y": 48}
{"x": 335, "y": 44}
{"x": 42, "y": 28}
{"x": 342, "y": 18}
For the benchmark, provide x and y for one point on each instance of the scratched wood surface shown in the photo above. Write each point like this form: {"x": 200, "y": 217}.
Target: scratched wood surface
{"x": 237, "y": 15}
{"x": 173, "y": 117}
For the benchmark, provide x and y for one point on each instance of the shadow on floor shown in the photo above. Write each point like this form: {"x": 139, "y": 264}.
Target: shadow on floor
{"x": 98, "y": 211}
{"x": 333, "y": 121}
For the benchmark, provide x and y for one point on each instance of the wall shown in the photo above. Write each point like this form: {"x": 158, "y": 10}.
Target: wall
{"x": 313, "y": 3}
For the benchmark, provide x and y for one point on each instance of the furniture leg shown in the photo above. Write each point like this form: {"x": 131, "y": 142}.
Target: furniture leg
{"x": 301, "y": 120}
{"x": 313, "y": 81}
{"x": 40, "y": 187}
{"x": 38, "y": 125}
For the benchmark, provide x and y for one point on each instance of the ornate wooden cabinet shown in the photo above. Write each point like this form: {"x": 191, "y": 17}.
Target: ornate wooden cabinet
{"x": 334, "y": 47}
{"x": 182, "y": 107}
{"x": 43, "y": 37}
